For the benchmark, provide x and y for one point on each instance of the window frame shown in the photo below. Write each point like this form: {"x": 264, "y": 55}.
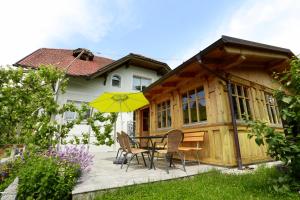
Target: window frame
{"x": 77, "y": 103}
{"x": 272, "y": 109}
{"x": 197, "y": 101}
{"x": 166, "y": 110}
{"x": 112, "y": 79}
{"x": 140, "y": 80}
{"x": 236, "y": 97}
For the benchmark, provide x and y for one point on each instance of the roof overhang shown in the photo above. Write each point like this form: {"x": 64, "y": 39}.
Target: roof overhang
{"x": 225, "y": 54}
{"x": 135, "y": 60}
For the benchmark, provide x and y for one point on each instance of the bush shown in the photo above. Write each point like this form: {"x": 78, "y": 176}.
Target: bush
{"x": 8, "y": 172}
{"x": 45, "y": 177}
{"x": 284, "y": 146}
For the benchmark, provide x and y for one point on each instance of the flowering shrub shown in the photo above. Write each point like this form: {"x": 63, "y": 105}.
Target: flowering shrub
{"x": 46, "y": 177}
{"x": 77, "y": 155}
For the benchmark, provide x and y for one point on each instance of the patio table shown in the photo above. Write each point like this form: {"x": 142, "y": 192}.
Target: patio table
{"x": 153, "y": 147}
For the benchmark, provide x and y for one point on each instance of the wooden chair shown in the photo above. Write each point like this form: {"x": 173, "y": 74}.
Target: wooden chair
{"x": 174, "y": 139}
{"x": 193, "y": 137}
{"x": 133, "y": 151}
{"x": 122, "y": 146}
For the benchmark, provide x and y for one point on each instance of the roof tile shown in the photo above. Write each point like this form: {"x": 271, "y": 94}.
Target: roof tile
{"x": 61, "y": 58}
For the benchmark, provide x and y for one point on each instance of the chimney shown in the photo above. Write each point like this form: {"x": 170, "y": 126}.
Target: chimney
{"x": 87, "y": 54}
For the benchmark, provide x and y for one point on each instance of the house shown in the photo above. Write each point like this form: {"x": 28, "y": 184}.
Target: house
{"x": 90, "y": 76}
{"x": 213, "y": 93}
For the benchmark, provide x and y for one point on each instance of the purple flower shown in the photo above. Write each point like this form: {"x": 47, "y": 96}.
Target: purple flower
{"x": 76, "y": 155}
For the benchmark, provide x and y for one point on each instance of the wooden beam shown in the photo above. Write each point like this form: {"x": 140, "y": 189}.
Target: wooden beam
{"x": 273, "y": 66}
{"x": 233, "y": 63}
{"x": 169, "y": 84}
{"x": 158, "y": 91}
{"x": 246, "y": 52}
{"x": 186, "y": 74}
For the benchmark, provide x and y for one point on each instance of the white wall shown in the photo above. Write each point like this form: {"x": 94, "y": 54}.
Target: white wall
{"x": 80, "y": 89}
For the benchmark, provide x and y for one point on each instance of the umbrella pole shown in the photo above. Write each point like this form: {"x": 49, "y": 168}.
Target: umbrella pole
{"x": 89, "y": 141}
{"x": 121, "y": 116}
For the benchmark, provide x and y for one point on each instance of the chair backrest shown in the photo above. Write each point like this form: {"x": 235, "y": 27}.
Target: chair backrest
{"x": 175, "y": 138}
{"x": 121, "y": 141}
{"x": 126, "y": 141}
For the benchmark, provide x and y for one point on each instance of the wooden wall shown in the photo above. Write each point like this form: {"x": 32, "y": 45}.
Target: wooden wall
{"x": 218, "y": 145}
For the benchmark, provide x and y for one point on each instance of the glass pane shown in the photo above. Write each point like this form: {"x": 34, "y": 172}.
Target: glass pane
{"x": 239, "y": 90}
{"x": 169, "y": 120}
{"x": 69, "y": 115}
{"x": 136, "y": 83}
{"x": 273, "y": 114}
{"x": 184, "y": 98}
{"x": 246, "y": 92}
{"x": 185, "y": 113}
{"x": 242, "y": 108}
{"x": 202, "y": 111}
{"x": 232, "y": 89}
{"x": 168, "y": 104}
{"x": 87, "y": 114}
{"x": 163, "y": 121}
{"x": 193, "y": 110}
{"x": 192, "y": 95}
{"x": 145, "y": 82}
{"x": 116, "y": 80}
{"x": 159, "y": 119}
{"x": 270, "y": 114}
{"x": 200, "y": 92}
{"x": 235, "y": 108}
{"x": 202, "y": 102}
{"x": 158, "y": 107}
{"x": 163, "y": 105}
{"x": 248, "y": 109}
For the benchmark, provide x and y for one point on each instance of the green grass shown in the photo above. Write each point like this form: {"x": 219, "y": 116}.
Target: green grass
{"x": 212, "y": 185}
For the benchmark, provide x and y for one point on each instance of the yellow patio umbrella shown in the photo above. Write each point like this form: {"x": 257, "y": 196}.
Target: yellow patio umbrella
{"x": 119, "y": 102}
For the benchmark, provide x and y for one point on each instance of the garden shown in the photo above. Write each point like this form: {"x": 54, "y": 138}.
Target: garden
{"x": 33, "y": 145}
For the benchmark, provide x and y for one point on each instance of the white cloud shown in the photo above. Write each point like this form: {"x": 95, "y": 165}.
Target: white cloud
{"x": 274, "y": 22}
{"x": 32, "y": 24}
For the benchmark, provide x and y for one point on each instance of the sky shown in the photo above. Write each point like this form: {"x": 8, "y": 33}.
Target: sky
{"x": 167, "y": 30}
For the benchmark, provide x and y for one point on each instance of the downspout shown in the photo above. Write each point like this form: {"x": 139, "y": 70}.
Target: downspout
{"x": 232, "y": 111}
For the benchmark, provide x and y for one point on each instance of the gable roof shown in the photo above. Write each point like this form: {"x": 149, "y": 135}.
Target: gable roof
{"x": 136, "y": 60}
{"x": 216, "y": 53}
{"x": 61, "y": 58}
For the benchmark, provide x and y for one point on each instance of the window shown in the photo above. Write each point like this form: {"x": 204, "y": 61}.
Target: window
{"x": 116, "y": 81}
{"x": 194, "y": 106}
{"x": 272, "y": 108}
{"x": 140, "y": 83}
{"x": 69, "y": 116}
{"x": 241, "y": 102}
{"x": 164, "y": 119}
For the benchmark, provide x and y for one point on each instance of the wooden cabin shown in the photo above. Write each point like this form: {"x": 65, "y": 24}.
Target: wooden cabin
{"x": 213, "y": 93}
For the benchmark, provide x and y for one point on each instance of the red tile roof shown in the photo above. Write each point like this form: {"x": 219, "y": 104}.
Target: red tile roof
{"x": 61, "y": 58}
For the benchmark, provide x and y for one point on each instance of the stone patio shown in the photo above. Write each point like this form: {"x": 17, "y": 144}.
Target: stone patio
{"x": 104, "y": 175}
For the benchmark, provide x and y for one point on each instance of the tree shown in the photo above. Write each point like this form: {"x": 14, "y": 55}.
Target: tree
{"x": 284, "y": 146}
{"x": 27, "y": 104}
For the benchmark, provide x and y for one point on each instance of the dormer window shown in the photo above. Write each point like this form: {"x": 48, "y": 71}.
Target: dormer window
{"x": 116, "y": 81}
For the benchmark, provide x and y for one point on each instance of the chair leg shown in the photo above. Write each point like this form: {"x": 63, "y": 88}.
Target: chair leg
{"x": 124, "y": 158}
{"x": 144, "y": 159}
{"x": 198, "y": 157}
{"x": 171, "y": 160}
{"x": 166, "y": 162}
{"x": 137, "y": 159}
{"x": 182, "y": 160}
{"x": 117, "y": 153}
{"x": 128, "y": 163}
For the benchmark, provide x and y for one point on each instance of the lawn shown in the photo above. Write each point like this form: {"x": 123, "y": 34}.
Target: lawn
{"x": 211, "y": 185}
